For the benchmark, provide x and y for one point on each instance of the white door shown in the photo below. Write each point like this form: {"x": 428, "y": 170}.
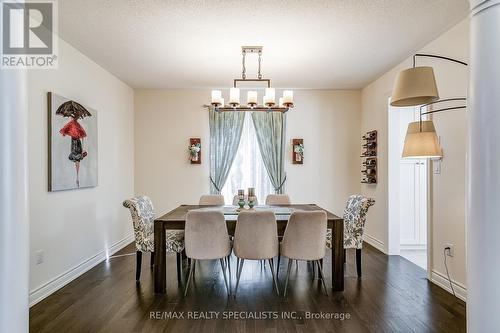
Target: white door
{"x": 413, "y": 204}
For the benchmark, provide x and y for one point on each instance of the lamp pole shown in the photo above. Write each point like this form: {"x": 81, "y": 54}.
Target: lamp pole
{"x": 483, "y": 222}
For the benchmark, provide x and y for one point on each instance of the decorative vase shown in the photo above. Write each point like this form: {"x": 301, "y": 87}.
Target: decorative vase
{"x": 251, "y": 202}
{"x": 241, "y": 203}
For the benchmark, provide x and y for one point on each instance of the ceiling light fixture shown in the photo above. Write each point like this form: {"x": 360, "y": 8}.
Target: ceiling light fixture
{"x": 417, "y": 86}
{"x": 268, "y": 101}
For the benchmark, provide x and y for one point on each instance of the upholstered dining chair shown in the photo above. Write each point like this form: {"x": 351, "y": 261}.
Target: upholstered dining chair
{"x": 211, "y": 200}
{"x": 235, "y": 200}
{"x": 206, "y": 238}
{"x": 303, "y": 240}
{"x": 255, "y": 238}
{"x": 141, "y": 210}
{"x": 354, "y": 226}
{"x": 278, "y": 199}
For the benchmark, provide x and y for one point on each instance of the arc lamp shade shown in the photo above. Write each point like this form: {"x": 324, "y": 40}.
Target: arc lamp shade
{"x": 422, "y": 142}
{"x": 415, "y": 86}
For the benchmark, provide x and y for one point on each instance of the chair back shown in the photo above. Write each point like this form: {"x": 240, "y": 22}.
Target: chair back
{"x": 256, "y": 235}
{"x": 212, "y": 200}
{"x": 142, "y": 212}
{"x": 206, "y": 235}
{"x": 304, "y": 237}
{"x": 354, "y": 220}
{"x": 236, "y": 199}
{"x": 278, "y": 199}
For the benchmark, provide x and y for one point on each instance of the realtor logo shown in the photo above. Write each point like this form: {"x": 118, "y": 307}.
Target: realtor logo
{"x": 28, "y": 36}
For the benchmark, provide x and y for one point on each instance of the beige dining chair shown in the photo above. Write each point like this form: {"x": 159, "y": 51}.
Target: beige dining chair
{"x": 212, "y": 200}
{"x": 235, "y": 200}
{"x": 304, "y": 240}
{"x": 278, "y": 199}
{"x": 206, "y": 238}
{"x": 255, "y": 238}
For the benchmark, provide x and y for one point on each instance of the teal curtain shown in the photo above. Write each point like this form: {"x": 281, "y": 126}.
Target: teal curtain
{"x": 225, "y": 135}
{"x": 271, "y": 129}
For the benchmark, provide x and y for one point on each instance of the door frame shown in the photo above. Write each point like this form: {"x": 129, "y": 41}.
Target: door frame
{"x": 393, "y": 228}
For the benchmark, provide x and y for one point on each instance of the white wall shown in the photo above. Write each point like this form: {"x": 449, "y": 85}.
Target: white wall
{"x": 328, "y": 121}
{"x": 77, "y": 228}
{"x": 448, "y": 188}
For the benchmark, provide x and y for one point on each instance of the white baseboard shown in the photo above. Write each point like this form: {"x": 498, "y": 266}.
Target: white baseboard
{"x": 38, "y": 294}
{"x": 442, "y": 281}
{"x": 376, "y": 243}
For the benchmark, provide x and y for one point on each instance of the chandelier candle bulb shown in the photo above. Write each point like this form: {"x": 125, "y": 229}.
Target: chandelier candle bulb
{"x": 221, "y": 102}
{"x": 288, "y": 98}
{"x": 252, "y": 98}
{"x": 280, "y": 104}
{"x": 216, "y": 97}
{"x": 234, "y": 97}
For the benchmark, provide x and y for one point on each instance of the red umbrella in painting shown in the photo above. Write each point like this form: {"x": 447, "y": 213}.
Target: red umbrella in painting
{"x": 73, "y": 129}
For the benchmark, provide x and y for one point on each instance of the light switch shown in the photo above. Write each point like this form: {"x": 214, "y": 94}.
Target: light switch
{"x": 436, "y": 167}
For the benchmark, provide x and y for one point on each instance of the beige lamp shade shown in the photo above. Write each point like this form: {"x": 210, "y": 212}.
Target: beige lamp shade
{"x": 422, "y": 143}
{"x": 415, "y": 86}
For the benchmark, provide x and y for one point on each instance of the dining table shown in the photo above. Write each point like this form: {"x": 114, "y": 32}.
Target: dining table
{"x": 176, "y": 220}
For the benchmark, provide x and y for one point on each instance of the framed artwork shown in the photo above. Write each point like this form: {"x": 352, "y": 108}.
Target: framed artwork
{"x": 195, "y": 150}
{"x": 297, "y": 151}
{"x": 72, "y": 144}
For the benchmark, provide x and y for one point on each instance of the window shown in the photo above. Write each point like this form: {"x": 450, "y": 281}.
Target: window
{"x": 248, "y": 169}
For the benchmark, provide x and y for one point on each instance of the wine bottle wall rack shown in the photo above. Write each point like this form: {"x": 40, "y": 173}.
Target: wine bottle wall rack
{"x": 369, "y": 156}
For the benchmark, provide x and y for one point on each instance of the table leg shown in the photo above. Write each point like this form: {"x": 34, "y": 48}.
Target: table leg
{"x": 337, "y": 256}
{"x": 160, "y": 269}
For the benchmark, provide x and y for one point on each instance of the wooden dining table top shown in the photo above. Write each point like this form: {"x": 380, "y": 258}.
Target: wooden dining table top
{"x": 282, "y": 212}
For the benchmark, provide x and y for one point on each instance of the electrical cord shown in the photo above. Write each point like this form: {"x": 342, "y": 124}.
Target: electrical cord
{"x": 447, "y": 272}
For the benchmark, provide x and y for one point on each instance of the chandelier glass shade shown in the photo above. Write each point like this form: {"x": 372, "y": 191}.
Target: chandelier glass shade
{"x": 269, "y": 101}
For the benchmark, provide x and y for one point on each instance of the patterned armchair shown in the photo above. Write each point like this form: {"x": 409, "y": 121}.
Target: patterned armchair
{"x": 354, "y": 225}
{"x": 141, "y": 210}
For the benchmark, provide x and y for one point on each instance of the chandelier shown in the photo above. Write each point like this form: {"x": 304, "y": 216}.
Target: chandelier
{"x": 268, "y": 101}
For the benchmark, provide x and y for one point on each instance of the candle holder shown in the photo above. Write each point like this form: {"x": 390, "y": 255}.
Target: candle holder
{"x": 241, "y": 198}
{"x": 251, "y": 201}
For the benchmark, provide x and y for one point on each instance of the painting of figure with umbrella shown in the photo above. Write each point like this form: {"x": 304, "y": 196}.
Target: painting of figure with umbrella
{"x": 72, "y": 144}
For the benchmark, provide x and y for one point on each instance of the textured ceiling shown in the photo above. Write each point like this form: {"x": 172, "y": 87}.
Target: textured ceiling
{"x": 337, "y": 44}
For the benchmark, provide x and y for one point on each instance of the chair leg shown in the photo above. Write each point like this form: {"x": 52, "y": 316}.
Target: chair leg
{"x": 287, "y": 275}
{"x": 179, "y": 267}
{"x": 223, "y": 267}
{"x": 320, "y": 272}
{"x": 239, "y": 268}
{"x": 271, "y": 265}
{"x": 138, "y": 266}
{"x": 228, "y": 260}
{"x": 344, "y": 255}
{"x": 358, "y": 261}
{"x": 190, "y": 276}
{"x": 152, "y": 262}
{"x": 278, "y": 265}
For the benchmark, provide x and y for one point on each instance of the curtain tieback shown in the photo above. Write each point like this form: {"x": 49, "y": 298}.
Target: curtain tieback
{"x": 281, "y": 185}
{"x": 214, "y": 184}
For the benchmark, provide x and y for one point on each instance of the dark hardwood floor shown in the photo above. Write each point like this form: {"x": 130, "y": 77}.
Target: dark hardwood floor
{"x": 392, "y": 296}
